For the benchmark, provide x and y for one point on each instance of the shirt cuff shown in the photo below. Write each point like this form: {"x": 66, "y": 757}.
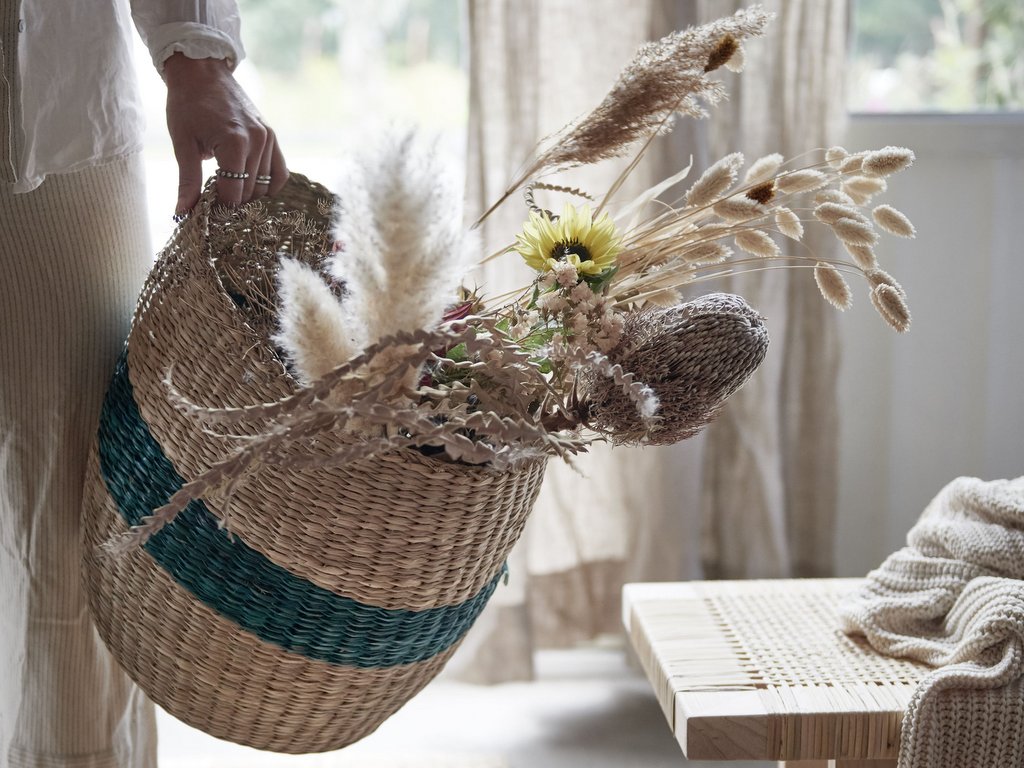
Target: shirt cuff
{"x": 195, "y": 41}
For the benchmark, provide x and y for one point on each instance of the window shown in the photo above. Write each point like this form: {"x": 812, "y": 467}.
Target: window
{"x": 937, "y": 56}
{"x": 322, "y": 72}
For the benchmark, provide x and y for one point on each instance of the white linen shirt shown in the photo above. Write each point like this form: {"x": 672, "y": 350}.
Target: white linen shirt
{"x": 79, "y": 101}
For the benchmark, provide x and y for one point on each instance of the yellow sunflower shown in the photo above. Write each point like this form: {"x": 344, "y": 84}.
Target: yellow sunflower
{"x": 590, "y": 246}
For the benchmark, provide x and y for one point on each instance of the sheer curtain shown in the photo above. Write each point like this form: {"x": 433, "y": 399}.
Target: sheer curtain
{"x": 631, "y": 514}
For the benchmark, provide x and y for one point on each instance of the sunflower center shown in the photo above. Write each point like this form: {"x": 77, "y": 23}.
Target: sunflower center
{"x": 562, "y": 250}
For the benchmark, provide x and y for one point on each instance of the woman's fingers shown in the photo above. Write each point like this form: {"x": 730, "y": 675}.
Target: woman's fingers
{"x": 208, "y": 114}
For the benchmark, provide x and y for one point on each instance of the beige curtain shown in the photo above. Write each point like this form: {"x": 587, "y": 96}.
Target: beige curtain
{"x": 630, "y": 514}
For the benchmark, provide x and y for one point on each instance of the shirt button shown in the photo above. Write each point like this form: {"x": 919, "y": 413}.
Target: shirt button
{"x": 21, "y": 25}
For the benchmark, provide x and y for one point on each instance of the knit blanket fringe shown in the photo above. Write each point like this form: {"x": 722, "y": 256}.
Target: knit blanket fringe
{"x": 954, "y": 599}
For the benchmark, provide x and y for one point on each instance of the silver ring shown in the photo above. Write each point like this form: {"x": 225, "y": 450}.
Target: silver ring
{"x": 232, "y": 174}
{"x": 263, "y": 180}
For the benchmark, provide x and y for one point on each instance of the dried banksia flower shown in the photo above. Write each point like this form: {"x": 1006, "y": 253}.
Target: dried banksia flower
{"x": 757, "y": 242}
{"x": 892, "y": 306}
{"x": 893, "y": 222}
{"x": 763, "y": 192}
{"x": 715, "y": 181}
{"x": 763, "y": 168}
{"x": 693, "y": 356}
{"x": 887, "y": 161}
{"x": 832, "y": 286}
{"x": 789, "y": 223}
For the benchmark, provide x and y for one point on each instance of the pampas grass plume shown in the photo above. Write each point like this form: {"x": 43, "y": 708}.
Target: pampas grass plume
{"x": 400, "y": 220}
{"x": 315, "y": 333}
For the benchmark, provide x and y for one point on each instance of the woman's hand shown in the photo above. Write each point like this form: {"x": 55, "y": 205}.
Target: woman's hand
{"x": 209, "y": 115}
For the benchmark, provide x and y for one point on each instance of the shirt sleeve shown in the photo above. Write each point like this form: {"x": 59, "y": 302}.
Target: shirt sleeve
{"x": 200, "y": 29}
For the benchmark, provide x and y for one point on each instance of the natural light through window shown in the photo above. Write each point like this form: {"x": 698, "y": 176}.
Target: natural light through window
{"x": 937, "y": 56}
{"x": 323, "y": 73}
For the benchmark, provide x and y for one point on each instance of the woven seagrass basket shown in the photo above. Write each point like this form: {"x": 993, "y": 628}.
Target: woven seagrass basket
{"x": 339, "y": 591}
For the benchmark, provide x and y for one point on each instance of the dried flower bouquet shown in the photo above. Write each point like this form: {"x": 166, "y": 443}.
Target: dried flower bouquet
{"x": 392, "y": 350}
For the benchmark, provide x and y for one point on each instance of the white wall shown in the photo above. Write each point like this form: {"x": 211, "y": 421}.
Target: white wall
{"x": 947, "y": 398}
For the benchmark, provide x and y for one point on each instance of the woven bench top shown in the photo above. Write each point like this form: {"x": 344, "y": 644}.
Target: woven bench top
{"x": 759, "y": 670}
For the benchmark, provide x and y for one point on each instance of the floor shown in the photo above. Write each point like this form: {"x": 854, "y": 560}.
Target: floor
{"x": 587, "y": 708}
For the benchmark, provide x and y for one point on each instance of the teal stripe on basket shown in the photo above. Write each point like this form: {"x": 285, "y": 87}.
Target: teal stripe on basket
{"x": 244, "y": 586}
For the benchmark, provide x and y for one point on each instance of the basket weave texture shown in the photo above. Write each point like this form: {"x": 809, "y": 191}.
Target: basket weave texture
{"x": 340, "y": 591}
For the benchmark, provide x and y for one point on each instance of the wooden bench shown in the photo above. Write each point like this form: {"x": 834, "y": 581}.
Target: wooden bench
{"x": 759, "y": 670}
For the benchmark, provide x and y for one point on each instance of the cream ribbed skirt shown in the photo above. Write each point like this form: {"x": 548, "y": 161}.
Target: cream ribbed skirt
{"x": 73, "y": 256}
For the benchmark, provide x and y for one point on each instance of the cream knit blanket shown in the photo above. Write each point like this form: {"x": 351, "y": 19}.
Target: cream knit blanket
{"x": 954, "y": 598}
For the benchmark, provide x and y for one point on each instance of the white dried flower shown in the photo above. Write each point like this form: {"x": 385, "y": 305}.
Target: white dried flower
{"x": 863, "y": 255}
{"x": 565, "y": 274}
{"x": 709, "y": 252}
{"x": 763, "y": 168}
{"x": 789, "y": 223}
{"x": 757, "y": 242}
{"x": 739, "y": 209}
{"x": 666, "y": 298}
{"x": 887, "y": 161}
{"x": 835, "y": 156}
{"x": 877, "y": 277}
{"x": 583, "y": 295}
{"x": 833, "y": 196}
{"x": 801, "y": 181}
{"x": 553, "y": 302}
{"x": 892, "y": 306}
{"x": 862, "y": 188}
{"x": 520, "y": 330}
{"x": 832, "y": 286}
{"x": 893, "y": 222}
{"x": 852, "y": 164}
{"x": 853, "y": 231}
{"x": 715, "y": 181}
{"x": 832, "y": 212}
